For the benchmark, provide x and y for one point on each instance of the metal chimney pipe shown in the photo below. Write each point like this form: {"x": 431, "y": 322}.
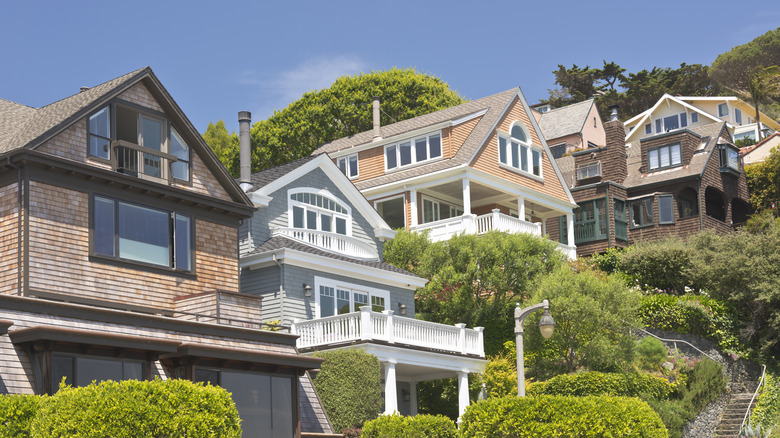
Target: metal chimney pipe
{"x": 613, "y": 117}
{"x": 245, "y": 156}
{"x": 377, "y": 128}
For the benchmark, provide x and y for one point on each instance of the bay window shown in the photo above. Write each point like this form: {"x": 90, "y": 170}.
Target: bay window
{"x": 590, "y": 221}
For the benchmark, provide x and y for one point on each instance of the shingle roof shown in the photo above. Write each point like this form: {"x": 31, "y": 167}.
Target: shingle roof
{"x": 21, "y": 126}
{"x": 566, "y": 166}
{"x": 281, "y": 242}
{"x": 313, "y": 416}
{"x": 267, "y": 176}
{"x": 494, "y": 106}
{"x": 565, "y": 121}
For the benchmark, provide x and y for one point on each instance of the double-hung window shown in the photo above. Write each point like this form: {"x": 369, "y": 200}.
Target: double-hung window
{"x": 319, "y": 212}
{"x": 516, "y": 151}
{"x": 335, "y": 298}
{"x": 589, "y": 170}
{"x": 412, "y": 151}
{"x": 138, "y": 233}
{"x": 434, "y": 210}
{"x": 641, "y": 212}
{"x": 665, "y": 209}
{"x": 723, "y": 110}
{"x": 664, "y": 157}
{"x": 349, "y": 165}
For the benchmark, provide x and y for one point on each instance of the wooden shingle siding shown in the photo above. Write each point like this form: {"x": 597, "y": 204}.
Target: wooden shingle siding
{"x": 139, "y": 95}
{"x": 459, "y": 134}
{"x": 371, "y": 163}
{"x": 486, "y": 158}
{"x": 9, "y": 239}
{"x": 60, "y": 261}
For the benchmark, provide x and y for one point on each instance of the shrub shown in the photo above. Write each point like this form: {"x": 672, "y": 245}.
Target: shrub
{"x": 767, "y": 411}
{"x": 651, "y": 353}
{"x": 605, "y": 384}
{"x": 17, "y": 413}
{"x": 674, "y": 414}
{"x": 349, "y": 386}
{"x": 419, "y": 426}
{"x": 500, "y": 376}
{"x": 555, "y": 416}
{"x": 133, "y": 408}
{"x": 705, "y": 383}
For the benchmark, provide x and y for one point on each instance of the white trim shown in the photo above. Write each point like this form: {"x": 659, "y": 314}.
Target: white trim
{"x": 641, "y": 117}
{"x": 530, "y": 148}
{"x": 351, "y": 287}
{"x": 333, "y": 266}
{"x": 413, "y": 151}
{"x": 374, "y": 202}
{"x": 346, "y": 171}
{"x": 326, "y": 194}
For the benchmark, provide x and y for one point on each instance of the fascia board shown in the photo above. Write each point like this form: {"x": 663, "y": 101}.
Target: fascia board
{"x": 328, "y": 265}
{"x": 433, "y": 178}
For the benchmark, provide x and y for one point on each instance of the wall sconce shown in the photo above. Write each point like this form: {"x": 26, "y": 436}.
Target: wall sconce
{"x": 405, "y": 394}
{"x": 306, "y": 289}
{"x": 402, "y": 308}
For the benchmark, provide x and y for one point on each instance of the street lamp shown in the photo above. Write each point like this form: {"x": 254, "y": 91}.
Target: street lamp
{"x": 546, "y": 326}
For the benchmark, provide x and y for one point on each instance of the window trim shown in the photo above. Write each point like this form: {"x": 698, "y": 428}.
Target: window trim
{"x": 659, "y": 150}
{"x": 623, "y": 222}
{"x": 530, "y": 149}
{"x": 438, "y": 203}
{"x": 319, "y": 210}
{"x": 413, "y": 151}
{"x": 671, "y": 209}
{"x": 402, "y": 196}
{"x": 351, "y": 287}
{"x": 724, "y": 113}
{"x": 587, "y": 167}
{"x": 630, "y": 217}
{"x": 346, "y": 170}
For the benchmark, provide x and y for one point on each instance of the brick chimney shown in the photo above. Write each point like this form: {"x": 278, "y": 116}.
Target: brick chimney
{"x": 614, "y": 164}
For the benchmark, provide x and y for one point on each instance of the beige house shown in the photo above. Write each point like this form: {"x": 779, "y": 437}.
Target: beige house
{"x": 761, "y": 150}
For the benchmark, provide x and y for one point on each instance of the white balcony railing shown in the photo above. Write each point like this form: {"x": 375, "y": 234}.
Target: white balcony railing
{"x": 470, "y": 224}
{"x": 368, "y": 325}
{"x": 337, "y": 243}
{"x": 569, "y": 250}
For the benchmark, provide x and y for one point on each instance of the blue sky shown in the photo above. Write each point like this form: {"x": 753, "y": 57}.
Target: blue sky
{"x": 218, "y": 58}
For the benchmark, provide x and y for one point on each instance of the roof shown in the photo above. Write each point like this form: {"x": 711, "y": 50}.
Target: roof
{"x": 567, "y": 167}
{"x": 748, "y": 149}
{"x": 281, "y": 242}
{"x": 267, "y": 176}
{"x": 568, "y": 120}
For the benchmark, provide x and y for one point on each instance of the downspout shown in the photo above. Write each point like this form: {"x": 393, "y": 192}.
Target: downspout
{"x": 701, "y": 211}
{"x": 282, "y": 293}
{"x": 18, "y": 228}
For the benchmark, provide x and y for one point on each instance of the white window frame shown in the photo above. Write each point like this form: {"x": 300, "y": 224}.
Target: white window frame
{"x": 587, "y": 168}
{"x": 725, "y": 108}
{"x": 524, "y": 147}
{"x": 661, "y": 122}
{"x": 318, "y": 210}
{"x": 344, "y": 163}
{"x": 346, "y": 286}
{"x": 413, "y": 150}
{"x": 454, "y": 209}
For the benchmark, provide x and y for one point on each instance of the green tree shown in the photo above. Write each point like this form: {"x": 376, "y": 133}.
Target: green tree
{"x": 224, "y": 145}
{"x": 576, "y": 84}
{"x": 763, "y": 88}
{"x": 763, "y": 181}
{"x": 733, "y": 69}
{"x": 344, "y": 109}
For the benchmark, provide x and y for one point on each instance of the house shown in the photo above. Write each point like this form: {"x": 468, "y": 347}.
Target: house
{"x": 570, "y": 128}
{"x": 313, "y": 252}
{"x": 676, "y": 112}
{"x": 759, "y": 151}
{"x": 119, "y": 250}
{"x": 667, "y": 184}
{"x": 479, "y": 166}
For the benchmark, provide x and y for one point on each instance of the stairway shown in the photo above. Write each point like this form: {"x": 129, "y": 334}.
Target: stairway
{"x": 732, "y": 417}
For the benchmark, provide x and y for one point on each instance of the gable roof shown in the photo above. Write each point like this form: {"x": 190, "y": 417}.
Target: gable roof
{"x": 564, "y": 121}
{"x": 640, "y": 119}
{"x": 26, "y": 128}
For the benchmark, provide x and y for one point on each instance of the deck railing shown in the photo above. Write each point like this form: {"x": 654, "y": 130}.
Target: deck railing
{"x": 470, "y": 224}
{"x": 337, "y": 243}
{"x": 135, "y": 160}
{"x": 367, "y": 325}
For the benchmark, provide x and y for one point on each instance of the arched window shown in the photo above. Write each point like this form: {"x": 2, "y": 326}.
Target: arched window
{"x": 517, "y": 151}
{"x": 318, "y": 210}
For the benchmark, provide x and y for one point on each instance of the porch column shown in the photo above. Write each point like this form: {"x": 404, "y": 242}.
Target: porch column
{"x": 570, "y": 227}
{"x": 463, "y": 393}
{"x": 466, "y": 196}
{"x": 391, "y": 398}
{"x": 412, "y": 398}
{"x": 413, "y": 205}
{"x": 521, "y": 208}
{"x": 544, "y": 226}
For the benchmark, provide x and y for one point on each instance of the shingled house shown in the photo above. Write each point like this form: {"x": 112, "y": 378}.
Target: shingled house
{"x": 119, "y": 250}
{"x": 570, "y": 128}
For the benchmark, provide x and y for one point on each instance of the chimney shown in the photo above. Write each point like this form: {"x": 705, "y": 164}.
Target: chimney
{"x": 244, "y": 151}
{"x": 616, "y": 148}
{"x": 377, "y": 128}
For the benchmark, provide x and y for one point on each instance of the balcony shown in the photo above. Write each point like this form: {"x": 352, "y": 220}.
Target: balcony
{"x": 369, "y": 326}
{"x": 332, "y": 242}
{"x": 471, "y": 224}
{"x": 141, "y": 162}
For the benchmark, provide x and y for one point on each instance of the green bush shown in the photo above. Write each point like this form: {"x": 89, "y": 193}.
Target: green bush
{"x": 660, "y": 264}
{"x": 419, "y": 426}
{"x": 17, "y": 413}
{"x": 674, "y": 414}
{"x": 349, "y": 386}
{"x": 651, "y": 353}
{"x": 767, "y": 410}
{"x": 133, "y": 408}
{"x": 556, "y": 416}
{"x": 605, "y": 384}
{"x": 705, "y": 383}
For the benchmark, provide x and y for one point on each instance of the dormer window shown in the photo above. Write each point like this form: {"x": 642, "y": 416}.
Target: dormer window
{"x": 349, "y": 165}
{"x": 412, "y": 151}
{"x": 517, "y": 151}
{"x": 319, "y": 212}
{"x": 664, "y": 157}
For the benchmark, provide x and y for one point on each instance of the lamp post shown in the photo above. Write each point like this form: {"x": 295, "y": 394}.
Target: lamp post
{"x": 546, "y": 326}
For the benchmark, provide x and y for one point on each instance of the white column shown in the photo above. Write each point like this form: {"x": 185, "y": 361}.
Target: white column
{"x": 570, "y": 227}
{"x": 412, "y": 398}
{"x": 463, "y": 393}
{"x": 521, "y": 208}
{"x": 365, "y": 323}
{"x": 413, "y": 205}
{"x": 466, "y": 196}
{"x": 544, "y": 226}
{"x": 391, "y": 397}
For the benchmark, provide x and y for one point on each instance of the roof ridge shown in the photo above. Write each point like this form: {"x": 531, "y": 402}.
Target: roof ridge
{"x": 95, "y": 86}
{"x": 17, "y": 103}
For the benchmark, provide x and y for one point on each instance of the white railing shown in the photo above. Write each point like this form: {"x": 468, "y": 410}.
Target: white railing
{"x": 368, "y": 325}
{"x": 569, "y": 250}
{"x": 445, "y": 228}
{"x": 470, "y": 224}
{"x": 332, "y": 242}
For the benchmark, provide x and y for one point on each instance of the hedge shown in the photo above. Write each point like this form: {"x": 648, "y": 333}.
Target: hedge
{"x": 17, "y": 413}
{"x": 419, "y": 426}
{"x": 609, "y": 384}
{"x": 132, "y": 408}
{"x": 559, "y": 416}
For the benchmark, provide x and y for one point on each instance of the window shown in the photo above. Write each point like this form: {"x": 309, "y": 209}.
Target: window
{"x": 648, "y": 128}
{"x": 729, "y": 157}
{"x": 434, "y": 210}
{"x": 82, "y": 370}
{"x": 694, "y": 117}
{"x": 744, "y": 135}
{"x": 319, "y": 212}
{"x": 723, "y": 110}
{"x": 738, "y": 116}
{"x": 558, "y": 150}
{"x": 517, "y": 151}
{"x": 621, "y": 224}
{"x": 591, "y": 170}
{"x": 563, "y": 227}
{"x": 641, "y": 212}
{"x": 100, "y": 134}
{"x": 687, "y": 203}
{"x": 590, "y": 221}
{"x": 412, "y": 151}
{"x": 670, "y": 123}
{"x": 665, "y": 209}
{"x": 133, "y": 232}
{"x": 393, "y": 212}
{"x": 180, "y": 169}
{"x": 340, "y": 298}
{"x": 266, "y": 403}
{"x": 664, "y": 157}
{"x": 349, "y": 165}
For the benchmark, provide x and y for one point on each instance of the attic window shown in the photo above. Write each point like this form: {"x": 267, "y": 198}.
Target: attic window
{"x": 517, "y": 151}
{"x": 318, "y": 212}
{"x": 413, "y": 151}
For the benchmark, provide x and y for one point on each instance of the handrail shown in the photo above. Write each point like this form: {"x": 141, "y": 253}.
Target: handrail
{"x": 675, "y": 341}
{"x": 746, "y": 419}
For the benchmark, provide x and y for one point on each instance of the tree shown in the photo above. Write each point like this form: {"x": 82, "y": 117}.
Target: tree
{"x": 733, "y": 69}
{"x": 763, "y": 87}
{"x": 342, "y": 110}
{"x": 576, "y": 84}
{"x": 224, "y": 145}
{"x": 763, "y": 181}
